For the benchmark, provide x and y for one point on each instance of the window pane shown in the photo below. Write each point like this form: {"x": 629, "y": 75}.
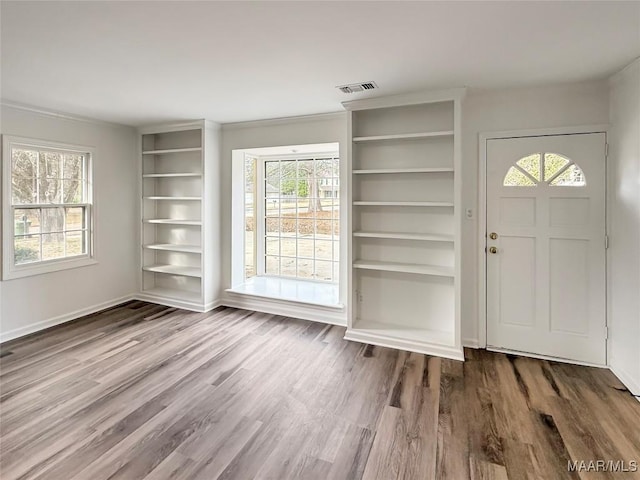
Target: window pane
{"x": 50, "y": 165}
{"x": 272, "y": 246}
{"x": 249, "y": 253}
{"x": 52, "y": 246}
{"x": 74, "y": 243}
{"x": 288, "y": 267}
{"x": 272, "y": 225}
{"x": 324, "y": 249}
{"x": 305, "y": 248}
{"x": 305, "y": 268}
{"x": 515, "y": 178}
{"x": 74, "y": 218}
{"x": 305, "y": 169}
{"x": 302, "y": 208}
{"x": 288, "y": 246}
{"x": 23, "y": 163}
{"x": 50, "y": 190}
{"x": 552, "y": 164}
{"x": 336, "y": 251}
{"x": 26, "y": 221}
{"x": 24, "y": 190}
{"x": 52, "y": 220}
{"x": 531, "y": 165}
{"x": 272, "y": 176}
{"x": 571, "y": 177}
{"x": 26, "y": 249}
{"x": 305, "y": 226}
{"x": 272, "y": 265}
{"x": 324, "y": 270}
{"x": 73, "y": 167}
{"x": 72, "y": 191}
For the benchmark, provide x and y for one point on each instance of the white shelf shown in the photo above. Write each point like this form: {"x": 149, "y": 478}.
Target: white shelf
{"x": 431, "y": 237}
{"x": 175, "y": 270}
{"x": 403, "y": 170}
{"x": 403, "y": 136}
{"x": 171, "y": 247}
{"x": 403, "y": 204}
{"x": 422, "y": 335}
{"x": 172, "y": 221}
{"x": 173, "y": 198}
{"x": 183, "y": 295}
{"x": 433, "y": 270}
{"x": 170, "y": 175}
{"x": 172, "y": 150}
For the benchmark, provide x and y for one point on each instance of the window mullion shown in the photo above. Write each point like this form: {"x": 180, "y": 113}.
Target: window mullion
{"x": 38, "y": 178}
{"x": 260, "y": 216}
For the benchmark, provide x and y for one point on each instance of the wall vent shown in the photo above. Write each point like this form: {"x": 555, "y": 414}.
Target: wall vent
{"x": 357, "y": 87}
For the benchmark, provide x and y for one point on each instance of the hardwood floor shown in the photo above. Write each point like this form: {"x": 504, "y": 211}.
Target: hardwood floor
{"x": 148, "y": 392}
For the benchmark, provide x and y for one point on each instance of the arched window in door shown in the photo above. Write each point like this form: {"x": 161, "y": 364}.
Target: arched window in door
{"x": 552, "y": 169}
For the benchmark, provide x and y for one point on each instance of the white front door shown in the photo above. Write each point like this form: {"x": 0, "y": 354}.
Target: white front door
{"x": 546, "y": 246}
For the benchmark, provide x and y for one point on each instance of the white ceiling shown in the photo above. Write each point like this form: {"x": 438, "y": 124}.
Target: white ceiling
{"x": 146, "y": 62}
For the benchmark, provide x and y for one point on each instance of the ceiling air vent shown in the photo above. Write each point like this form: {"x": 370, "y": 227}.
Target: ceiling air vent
{"x": 357, "y": 87}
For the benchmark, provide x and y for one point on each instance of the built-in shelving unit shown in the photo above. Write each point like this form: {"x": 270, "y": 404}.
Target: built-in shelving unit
{"x": 404, "y": 247}
{"x": 180, "y": 171}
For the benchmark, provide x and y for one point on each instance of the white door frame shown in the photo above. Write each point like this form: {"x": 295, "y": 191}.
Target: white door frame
{"x": 482, "y": 212}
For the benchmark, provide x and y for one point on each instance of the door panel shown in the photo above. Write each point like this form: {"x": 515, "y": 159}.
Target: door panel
{"x": 546, "y": 279}
{"x": 517, "y": 274}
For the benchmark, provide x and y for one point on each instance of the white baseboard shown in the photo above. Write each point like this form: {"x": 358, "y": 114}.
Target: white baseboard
{"x": 170, "y": 302}
{"x": 627, "y": 380}
{"x": 399, "y": 344}
{"x": 60, "y": 319}
{"x": 284, "y": 308}
{"x": 470, "y": 343}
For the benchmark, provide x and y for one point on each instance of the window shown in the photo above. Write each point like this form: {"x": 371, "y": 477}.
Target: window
{"x": 547, "y": 168}
{"x": 47, "y": 207}
{"x": 301, "y": 210}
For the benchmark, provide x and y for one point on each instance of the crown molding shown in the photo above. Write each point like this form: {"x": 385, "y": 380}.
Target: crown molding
{"x": 433, "y": 96}
{"x": 58, "y": 114}
{"x": 282, "y": 120}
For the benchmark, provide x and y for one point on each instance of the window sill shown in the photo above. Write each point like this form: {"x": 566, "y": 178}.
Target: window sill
{"x": 288, "y": 289}
{"x": 40, "y": 268}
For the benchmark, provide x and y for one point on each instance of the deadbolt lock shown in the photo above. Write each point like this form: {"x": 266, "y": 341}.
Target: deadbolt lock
{"x": 493, "y": 250}
{"x": 493, "y": 235}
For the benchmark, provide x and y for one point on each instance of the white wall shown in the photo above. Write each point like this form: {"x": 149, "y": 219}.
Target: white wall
{"x": 323, "y": 128}
{"x": 32, "y": 303}
{"x": 515, "y": 109}
{"x": 624, "y": 251}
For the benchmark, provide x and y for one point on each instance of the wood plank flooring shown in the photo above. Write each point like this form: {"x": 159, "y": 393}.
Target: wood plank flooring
{"x": 147, "y": 392}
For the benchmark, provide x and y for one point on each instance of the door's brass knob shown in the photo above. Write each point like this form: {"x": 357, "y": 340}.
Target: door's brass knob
{"x": 493, "y": 250}
{"x": 493, "y": 235}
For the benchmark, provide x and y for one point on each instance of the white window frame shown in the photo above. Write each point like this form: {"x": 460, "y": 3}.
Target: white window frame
{"x": 261, "y": 214}
{"x": 9, "y": 269}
